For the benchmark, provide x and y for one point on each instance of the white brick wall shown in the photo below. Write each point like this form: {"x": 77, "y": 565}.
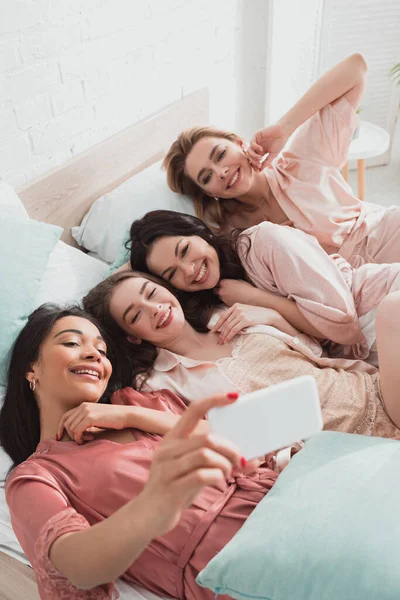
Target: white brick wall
{"x": 72, "y": 72}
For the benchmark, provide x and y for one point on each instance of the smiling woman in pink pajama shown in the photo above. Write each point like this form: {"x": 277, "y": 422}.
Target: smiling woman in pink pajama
{"x": 319, "y": 294}
{"x": 188, "y": 359}
{"x": 303, "y": 186}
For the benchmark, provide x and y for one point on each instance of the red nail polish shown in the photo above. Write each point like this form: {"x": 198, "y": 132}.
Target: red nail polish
{"x": 233, "y": 395}
{"x": 243, "y": 461}
{"x": 57, "y": 437}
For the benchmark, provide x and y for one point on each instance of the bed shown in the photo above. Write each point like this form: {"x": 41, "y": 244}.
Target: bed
{"x": 63, "y": 197}
{"x": 326, "y": 551}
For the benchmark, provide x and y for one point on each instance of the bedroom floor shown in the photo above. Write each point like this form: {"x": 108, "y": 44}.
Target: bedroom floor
{"x": 382, "y": 184}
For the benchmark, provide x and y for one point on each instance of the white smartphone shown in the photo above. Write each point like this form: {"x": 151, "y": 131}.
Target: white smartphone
{"x": 271, "y": 418}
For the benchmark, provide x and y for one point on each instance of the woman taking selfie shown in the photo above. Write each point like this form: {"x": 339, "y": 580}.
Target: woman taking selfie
{"x": 124, "y": 503}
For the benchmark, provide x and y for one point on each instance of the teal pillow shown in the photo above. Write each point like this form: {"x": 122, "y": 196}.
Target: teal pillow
{"x": 123, "y": 256}
{"x": 329, "y": 529}
{"x": 25, "y": 249}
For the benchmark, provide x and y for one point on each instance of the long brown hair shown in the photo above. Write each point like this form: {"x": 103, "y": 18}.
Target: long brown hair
{"x": 136, "y": 361}
{"x": 213, "y": 212}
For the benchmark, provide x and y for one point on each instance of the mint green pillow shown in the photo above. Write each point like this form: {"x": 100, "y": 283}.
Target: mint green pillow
{"x": 25, "y": 249}
{"x": 123, "y": 256}
{"x": 328, "y": 530}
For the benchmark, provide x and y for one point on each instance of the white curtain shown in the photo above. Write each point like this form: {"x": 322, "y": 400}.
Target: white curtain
{"x": 372, "y": 28}
{"x": 308, "y": 37}
{"x": 294, "y": 49}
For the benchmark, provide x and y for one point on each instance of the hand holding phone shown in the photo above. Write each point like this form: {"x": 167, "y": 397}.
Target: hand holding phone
{"x": 270, "y": 418}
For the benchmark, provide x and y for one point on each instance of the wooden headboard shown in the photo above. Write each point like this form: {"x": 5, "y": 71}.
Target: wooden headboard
{"x": 65, "y": 194}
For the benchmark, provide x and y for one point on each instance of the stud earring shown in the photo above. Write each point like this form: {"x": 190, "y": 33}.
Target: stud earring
{"x": 32, "y": 384}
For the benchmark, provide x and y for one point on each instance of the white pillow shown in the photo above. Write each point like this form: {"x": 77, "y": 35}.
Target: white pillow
{"x": 70, "y": 274}
{"x": 10, "y": 202}
{"x": 103, "y": 228}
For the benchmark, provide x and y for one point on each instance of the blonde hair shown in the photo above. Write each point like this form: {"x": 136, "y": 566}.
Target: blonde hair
{"x": 215, "y": 214}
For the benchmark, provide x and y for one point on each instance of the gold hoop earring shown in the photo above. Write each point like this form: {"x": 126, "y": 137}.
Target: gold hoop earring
{"x": 32, "y": 384}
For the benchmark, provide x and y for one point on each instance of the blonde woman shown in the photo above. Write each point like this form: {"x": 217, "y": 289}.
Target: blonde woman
{"x": 300, "y": 182}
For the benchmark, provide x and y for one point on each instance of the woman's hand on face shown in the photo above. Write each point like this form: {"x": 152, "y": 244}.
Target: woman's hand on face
{"x": 185, "y": 463}
{"x": 239, "y": 316}
{"x": 231, "y": 291}
{"x": 269, "y": 140}
{"x": 80, "y": 422}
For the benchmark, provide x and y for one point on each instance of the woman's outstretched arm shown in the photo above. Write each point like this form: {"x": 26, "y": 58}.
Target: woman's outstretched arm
{"x": 181, "y": 467}
{"x": 80, "y": 422}
{"x": 90, "y": 556}
{"x": 347, "y": 78}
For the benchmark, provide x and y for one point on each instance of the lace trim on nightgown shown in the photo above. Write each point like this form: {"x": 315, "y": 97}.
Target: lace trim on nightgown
{"x": 277, "y": 461}
{"x": 366, "y": 426}
{"x": 236, "y": 348}
{"x": 53, "y": 584}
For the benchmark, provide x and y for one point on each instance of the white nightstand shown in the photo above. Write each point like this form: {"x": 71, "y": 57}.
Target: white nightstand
{"x": 371, "y": 141}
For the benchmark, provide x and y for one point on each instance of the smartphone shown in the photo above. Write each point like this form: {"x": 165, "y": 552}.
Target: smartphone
{"x": 271, "y": 418}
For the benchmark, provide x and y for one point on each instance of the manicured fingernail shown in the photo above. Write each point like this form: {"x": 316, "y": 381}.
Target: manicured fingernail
{"x": 57, "y": 437}
{"x": 233, "y": 395}
{"x": 243, "y": 461}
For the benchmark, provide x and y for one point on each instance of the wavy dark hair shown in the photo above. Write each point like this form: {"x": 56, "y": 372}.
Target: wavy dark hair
{"x": 165, "y": 223}
{"x": 19, "y": 415}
